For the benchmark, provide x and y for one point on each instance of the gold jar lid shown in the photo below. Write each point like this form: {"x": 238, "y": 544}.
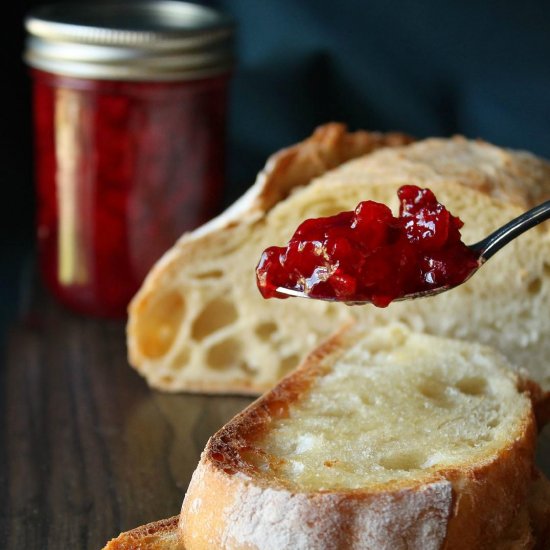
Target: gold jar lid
{"x": 130, "y": 40}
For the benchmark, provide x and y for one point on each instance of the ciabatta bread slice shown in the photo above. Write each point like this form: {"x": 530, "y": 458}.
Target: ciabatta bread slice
{"x": 199, "y": 324}
{"x": 382, "y": 439}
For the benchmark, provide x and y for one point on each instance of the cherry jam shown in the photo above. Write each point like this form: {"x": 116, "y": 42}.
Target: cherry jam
{"x": 371, "y": 255}
{"x": 129, "y": 126}
{"x": 123, "y": 168}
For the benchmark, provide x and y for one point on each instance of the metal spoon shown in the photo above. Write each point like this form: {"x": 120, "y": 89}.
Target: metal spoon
{"x": 486, "y": 248}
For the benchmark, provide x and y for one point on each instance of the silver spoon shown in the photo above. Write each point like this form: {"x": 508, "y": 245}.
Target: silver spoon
{"x": 486, "y": 248}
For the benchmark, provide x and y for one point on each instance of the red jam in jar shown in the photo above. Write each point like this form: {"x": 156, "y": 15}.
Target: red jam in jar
{"x": 371, "y": 255}
{"x": 129, "y": 141}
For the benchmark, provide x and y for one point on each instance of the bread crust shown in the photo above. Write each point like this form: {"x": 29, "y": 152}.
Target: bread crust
{"x": 529, "y": 531}
{"x": 230, "y": 504}
{"x": 222, "y": 511}
{"x": 158, "y": 535}
{"x": 329, "y": 146}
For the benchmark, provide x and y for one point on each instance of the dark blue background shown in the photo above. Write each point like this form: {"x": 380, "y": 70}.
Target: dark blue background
{"x": 428, "y": 68}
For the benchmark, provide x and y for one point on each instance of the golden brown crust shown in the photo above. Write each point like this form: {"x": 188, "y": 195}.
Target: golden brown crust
{"x": 159, "y": 535}
{"x": 530, "y": 530}
{"x": 331, "y": 520}
{"x": 539, "y": 398}
{"x": 329, "y": 146}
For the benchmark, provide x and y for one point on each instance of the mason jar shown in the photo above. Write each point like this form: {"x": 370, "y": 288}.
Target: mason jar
{"x": 129, "y": 102}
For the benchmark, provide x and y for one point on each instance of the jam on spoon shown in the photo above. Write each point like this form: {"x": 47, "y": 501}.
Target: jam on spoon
{"x": 370, "y": 255}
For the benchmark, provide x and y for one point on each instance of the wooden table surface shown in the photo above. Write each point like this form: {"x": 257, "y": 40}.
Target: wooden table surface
{"x": 87, "y": 449}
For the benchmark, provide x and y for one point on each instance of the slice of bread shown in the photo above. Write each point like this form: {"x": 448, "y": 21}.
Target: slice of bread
{"x": 383, "y": 439}
{"x": 199, "y": 324}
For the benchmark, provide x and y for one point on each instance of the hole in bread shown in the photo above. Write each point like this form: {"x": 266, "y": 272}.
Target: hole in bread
{"x": 395, "y": 338}
{"x": 478, "y": 441}
{"x": 224, "y": 354}
{"x": 403, "y": 461}
{"x": 181, "y": 359}
{"x": 435, "y": 391}
{"x": 330, "y": 313}
{"x": 546, "y": 269}
{"x": 472, "y": 385}
{"x": 366, "y": 399}
{"x": 534, "y": 286}
{"x": 265, "y": 330}
{"x": 288, "y": 363}
{"x": 493, "y": 423}
{"x": 217, "y": 314}
{"x": 166, "y": 380}
{"x": 212, "y": 274}
{"x": 158, "y": 324}
{"x": 218, "y": 457}
{"x": 467, "y": 289}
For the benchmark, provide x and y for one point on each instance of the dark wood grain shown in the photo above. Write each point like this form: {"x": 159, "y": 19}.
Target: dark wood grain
{"x": 87, "y": 449}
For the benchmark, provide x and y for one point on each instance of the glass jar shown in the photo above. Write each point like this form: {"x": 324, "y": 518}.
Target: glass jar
{"x": 129, "y": 118}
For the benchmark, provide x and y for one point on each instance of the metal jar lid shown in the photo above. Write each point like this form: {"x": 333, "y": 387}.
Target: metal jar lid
{"x": 130, "y": 40}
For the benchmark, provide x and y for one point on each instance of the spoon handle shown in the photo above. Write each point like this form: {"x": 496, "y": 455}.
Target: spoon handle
{"x": 502, "y": 236}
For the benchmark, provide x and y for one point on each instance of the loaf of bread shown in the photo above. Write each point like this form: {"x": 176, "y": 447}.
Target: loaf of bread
{"x": 383, "y": 439}
{"x": 199, "y": 324}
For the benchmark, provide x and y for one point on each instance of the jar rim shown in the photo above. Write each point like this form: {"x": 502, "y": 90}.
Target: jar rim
{"x": 129, "y": 39}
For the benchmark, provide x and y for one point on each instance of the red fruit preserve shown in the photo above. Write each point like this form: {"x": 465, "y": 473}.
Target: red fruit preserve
{"x": 371, "y": 255}
{"x": 129, "y": 140}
